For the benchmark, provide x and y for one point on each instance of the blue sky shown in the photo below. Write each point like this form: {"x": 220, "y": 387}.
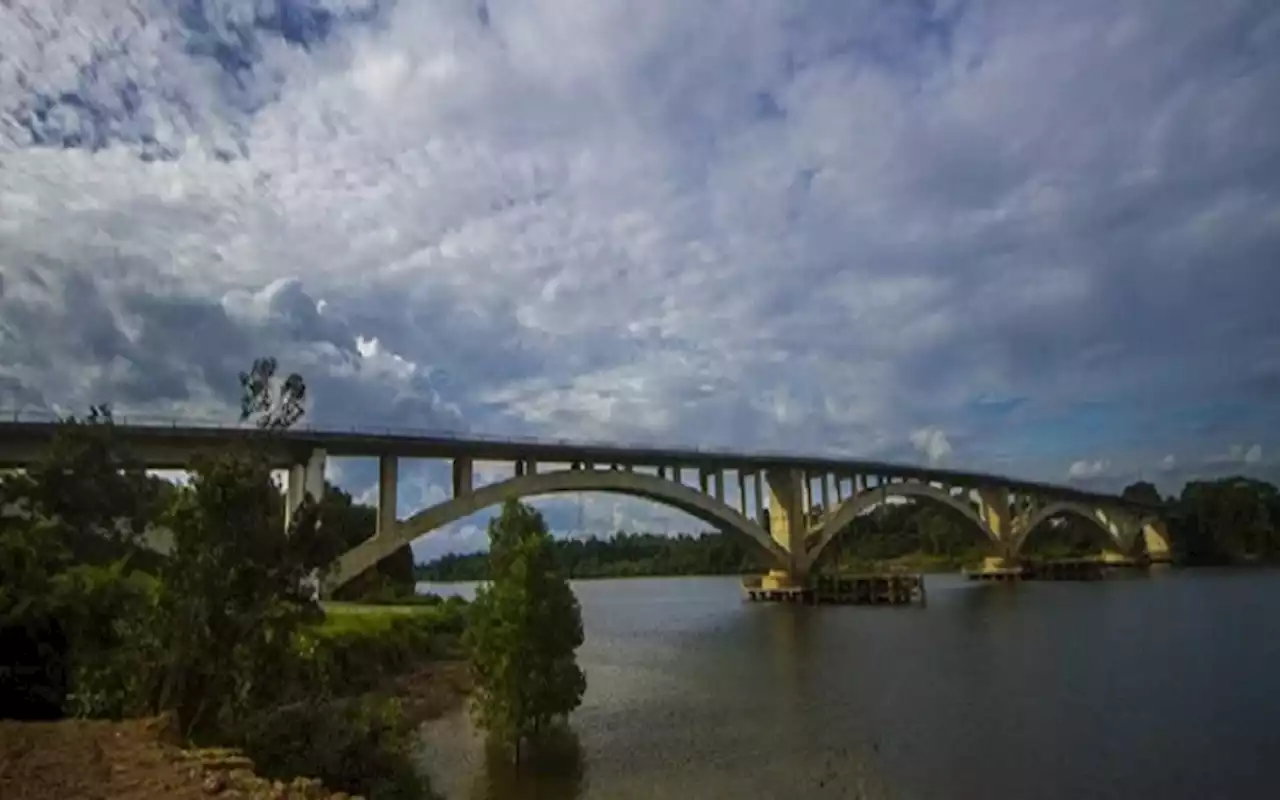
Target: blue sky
{"x": 1029, "y": 236}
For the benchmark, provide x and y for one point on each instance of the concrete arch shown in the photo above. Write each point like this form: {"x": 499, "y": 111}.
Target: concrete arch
{"x": 1110, "y": 527}
{"x": 847, "y": 511}
{"x": 633, "y": 484}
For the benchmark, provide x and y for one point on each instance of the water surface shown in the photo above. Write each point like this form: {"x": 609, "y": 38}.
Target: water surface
{"x": 1165, "y": 686}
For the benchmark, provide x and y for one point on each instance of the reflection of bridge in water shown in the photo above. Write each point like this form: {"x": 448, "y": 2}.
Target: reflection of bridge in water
{"x": 791, "y": 507}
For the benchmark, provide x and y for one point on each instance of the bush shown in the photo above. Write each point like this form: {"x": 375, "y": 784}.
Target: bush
{"x": 362, "y": 745}
{"x": 355, "y": 650}
{"x": 113, "y": 650}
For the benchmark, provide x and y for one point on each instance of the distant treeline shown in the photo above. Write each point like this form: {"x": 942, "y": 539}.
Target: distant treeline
{"x": 623, "y": 555}
{"x": 1233, "y": 520}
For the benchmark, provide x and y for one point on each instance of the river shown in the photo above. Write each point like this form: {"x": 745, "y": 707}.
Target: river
{"x": 1162, "y": 686}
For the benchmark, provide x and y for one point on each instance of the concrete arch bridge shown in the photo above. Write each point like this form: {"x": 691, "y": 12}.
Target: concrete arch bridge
{"x": 791, "y": 507}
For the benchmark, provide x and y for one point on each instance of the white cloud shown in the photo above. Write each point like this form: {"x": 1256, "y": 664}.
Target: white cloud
{"x": 566, "y": 221}
{"x": 1085, "y": 470}
{"x": 1237, "y": 454}
{"x": 932, "y": 442}
{"x": 1168, "y": 462}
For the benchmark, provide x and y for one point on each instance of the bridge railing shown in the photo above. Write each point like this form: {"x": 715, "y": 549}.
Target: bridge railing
{"x": 224, "y": 424}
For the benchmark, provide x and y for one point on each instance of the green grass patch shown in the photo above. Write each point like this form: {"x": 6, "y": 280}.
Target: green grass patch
{"x": 356, "y": 646}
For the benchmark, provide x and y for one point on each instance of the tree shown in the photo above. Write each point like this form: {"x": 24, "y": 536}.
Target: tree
{"x": 235, "y": 588}
{"x": 350, "y": 523}
{"x": 78, "y": 507}
{"x": 524, "y": 628}
{"x": 1142, "y": 492}
{"x": 276, "y": 405}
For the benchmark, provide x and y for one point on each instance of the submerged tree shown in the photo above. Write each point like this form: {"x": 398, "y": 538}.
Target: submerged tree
{"x": 525, "y": 627}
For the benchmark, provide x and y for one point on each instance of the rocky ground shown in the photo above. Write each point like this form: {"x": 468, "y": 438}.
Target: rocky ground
{"x": 138, "y": 760}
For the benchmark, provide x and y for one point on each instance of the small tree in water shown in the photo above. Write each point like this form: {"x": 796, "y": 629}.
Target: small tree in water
{"x": 524, "y": 628}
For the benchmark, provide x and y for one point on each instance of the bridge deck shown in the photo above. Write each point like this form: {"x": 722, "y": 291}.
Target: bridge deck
{"x": 171, "y": 445}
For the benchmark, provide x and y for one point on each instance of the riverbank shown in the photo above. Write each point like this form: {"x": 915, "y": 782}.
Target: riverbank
{"x": 133, "y": 759}
{"x": 378, "y": 673}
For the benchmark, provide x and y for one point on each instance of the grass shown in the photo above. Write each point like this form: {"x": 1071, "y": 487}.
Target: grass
{"x": 340, "y": 617}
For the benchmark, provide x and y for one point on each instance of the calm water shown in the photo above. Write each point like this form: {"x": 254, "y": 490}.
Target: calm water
{"x": 1165, "y": 686}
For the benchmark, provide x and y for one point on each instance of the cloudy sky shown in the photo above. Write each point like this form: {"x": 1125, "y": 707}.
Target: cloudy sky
{"x": 1026, "y": 236}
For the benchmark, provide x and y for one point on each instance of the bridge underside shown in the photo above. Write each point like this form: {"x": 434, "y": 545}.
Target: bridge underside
{"x": 790, "y": 515}
{"x": 790, "y": 509}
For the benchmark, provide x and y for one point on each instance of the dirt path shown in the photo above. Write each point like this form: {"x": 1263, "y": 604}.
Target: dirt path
{"x": 130, "y": 760}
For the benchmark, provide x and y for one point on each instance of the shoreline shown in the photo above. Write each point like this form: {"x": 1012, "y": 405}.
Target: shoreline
{"x": 131, "y": 759}
{"x": 432, "y": 689}
{"x": 142, "y": 758}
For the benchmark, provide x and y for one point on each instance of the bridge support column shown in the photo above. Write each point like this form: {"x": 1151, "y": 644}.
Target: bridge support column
{"x": 388, "y": 481}
{"x": 787, "y": 518}
{"x": 305, "y": 480}
{"x": 993, "y": 508}
{"x": 462, "y": 476}
{"x": 1156, "y": 538}
{"x": 759, "y": 479}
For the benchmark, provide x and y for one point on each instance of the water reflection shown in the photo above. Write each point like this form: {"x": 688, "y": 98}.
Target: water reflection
{"x": 551, "y": 771}
{"x": 1106, "y": 689}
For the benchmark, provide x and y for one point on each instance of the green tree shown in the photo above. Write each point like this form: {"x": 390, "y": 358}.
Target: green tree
{"x": 1142, "y": 492}
{"x": 272, "y": 404}
{"x": 68, "y": 530}
{"x": 234, "y": 591}
{"x": 524, "y": 629}
{"x": 351, "y": 523}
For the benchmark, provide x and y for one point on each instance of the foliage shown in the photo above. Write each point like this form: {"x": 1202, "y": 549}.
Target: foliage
{"x": 353, "y": 651}
{"x": 523, "y": 631}
{"x": 356, "y": 744}
{"x": 350, "y": 523}
{"x": 272, "y": 404}
{"x": 226, "y": 632}
{"x": 233, "y": 590}
{"x": 1142, "y": 492}
{"x": 33, "y": 647}
{"x": 1230, "y": 520}
{"x": 80, "y": 502}
{"x": 108, "y": 611}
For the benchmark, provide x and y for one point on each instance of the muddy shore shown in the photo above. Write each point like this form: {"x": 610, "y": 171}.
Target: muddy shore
{"x": 140, "y": 759}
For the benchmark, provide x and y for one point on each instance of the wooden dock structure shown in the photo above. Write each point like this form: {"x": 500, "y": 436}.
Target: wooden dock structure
{"x": 1088, "y": 568}
{"x": 893, "y": 589}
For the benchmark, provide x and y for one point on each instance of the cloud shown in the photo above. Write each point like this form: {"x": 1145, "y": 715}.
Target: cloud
{"x": 1086, "y": 470}
{"x": 825, "y": 228}
{"x": 1237, "y": 454}
{"x": 1168, "y": 462}
{"x": 933, "y": 443}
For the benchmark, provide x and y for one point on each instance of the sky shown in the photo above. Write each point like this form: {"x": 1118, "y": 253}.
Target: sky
{"x": 1022, "y": 236}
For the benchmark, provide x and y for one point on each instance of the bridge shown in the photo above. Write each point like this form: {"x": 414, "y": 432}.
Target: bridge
{"x": 790, "y": 507}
